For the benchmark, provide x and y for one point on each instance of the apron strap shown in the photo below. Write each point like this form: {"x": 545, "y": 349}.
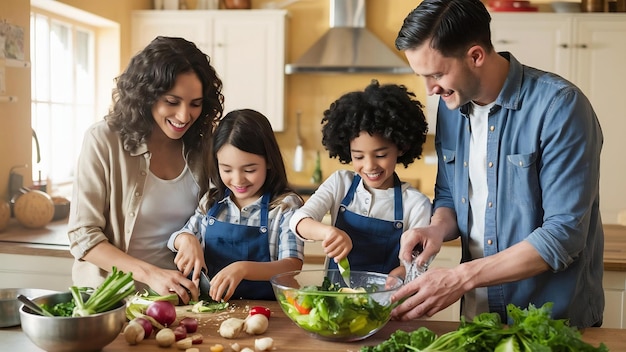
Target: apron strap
{"x": 263, "y": 228}
{"x": 397, "y": 199}
{"x": 397, "y": 194}
{"x": 265, "y": 201}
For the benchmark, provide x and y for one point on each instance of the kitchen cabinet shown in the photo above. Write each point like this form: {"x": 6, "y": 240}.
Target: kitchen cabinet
{"x": 246, "y": 47}
{"x": 614, "y": 283}
{"x": 587, "y": 49}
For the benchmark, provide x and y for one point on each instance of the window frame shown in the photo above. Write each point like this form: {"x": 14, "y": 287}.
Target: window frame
{"x": 106, "y": 66}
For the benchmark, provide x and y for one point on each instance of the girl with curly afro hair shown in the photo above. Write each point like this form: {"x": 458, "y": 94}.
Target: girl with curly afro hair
{"x": 374, "y": 130}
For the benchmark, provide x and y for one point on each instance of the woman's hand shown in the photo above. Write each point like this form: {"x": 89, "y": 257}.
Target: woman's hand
{"x": 165, "y": 282}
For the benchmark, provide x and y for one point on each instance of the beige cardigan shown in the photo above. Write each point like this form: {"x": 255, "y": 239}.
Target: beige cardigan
{"x": 107, "y": 193}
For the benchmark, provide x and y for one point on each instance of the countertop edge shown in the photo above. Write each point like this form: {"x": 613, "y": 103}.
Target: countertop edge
{"x": 12, "y": 242}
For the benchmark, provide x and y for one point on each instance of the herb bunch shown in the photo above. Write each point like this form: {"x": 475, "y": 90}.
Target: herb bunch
{"x": 532, "y": 330}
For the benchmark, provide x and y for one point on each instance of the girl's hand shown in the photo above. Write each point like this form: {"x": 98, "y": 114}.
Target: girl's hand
{"x": 224, "y": 283}
{"x": 337, "y": 244}
{"x": 190, "y": 256}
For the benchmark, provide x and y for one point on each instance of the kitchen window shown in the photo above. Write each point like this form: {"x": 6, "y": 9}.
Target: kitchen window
{"x": 68, "y": 68}
{"x": 63, "y": 93}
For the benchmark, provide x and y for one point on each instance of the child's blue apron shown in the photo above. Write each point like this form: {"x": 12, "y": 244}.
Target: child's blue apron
{"x": 375, "y": 242}
{"x": 226, "y": 243}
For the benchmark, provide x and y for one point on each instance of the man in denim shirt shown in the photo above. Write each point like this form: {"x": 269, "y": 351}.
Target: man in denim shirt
{"x": 518, "y": 176}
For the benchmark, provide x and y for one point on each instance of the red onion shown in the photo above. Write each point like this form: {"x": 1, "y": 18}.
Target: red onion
{"x": 162, "y": 311}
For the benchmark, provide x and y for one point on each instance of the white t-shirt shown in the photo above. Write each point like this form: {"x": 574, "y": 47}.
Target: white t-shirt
{"x": 372, "y": 203}
{"x": 166, "y": 206}
{"x": 476, "y": 301}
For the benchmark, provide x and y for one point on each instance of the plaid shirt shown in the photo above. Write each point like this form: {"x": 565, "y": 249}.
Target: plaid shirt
{"x": 283, "y": 243}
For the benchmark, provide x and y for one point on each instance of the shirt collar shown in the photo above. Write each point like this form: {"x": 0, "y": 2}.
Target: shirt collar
{"x": 230, "y": 202}
{"x": 511, "y": 92}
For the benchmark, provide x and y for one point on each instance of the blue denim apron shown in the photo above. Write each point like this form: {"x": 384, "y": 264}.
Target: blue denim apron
{"x": 227, "y": 243}
{"x": 375, "y": 242}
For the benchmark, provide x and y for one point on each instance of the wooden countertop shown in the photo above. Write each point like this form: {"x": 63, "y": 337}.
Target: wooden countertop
{"x": 52, "y": 241}
{"x": 286, "y": 335}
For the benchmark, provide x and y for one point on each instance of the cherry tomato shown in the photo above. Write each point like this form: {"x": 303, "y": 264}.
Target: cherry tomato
{"x": 260, "y": 310}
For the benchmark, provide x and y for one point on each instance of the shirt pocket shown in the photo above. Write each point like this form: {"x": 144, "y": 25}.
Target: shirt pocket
{"x": 448, "y": 157}
{"x": 523, "y": 179}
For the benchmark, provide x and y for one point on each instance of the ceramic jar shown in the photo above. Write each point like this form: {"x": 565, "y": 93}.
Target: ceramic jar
{"x": 237, "y": 4}
{"x": 593, "y": 5}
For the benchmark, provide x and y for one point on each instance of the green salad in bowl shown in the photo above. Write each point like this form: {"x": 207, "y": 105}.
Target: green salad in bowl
{"x": 328, "y": 307}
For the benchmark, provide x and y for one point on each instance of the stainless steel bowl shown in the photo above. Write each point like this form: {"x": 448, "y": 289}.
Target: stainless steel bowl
{"x": 10, "y": 306}
{"x": 79, "y": 334}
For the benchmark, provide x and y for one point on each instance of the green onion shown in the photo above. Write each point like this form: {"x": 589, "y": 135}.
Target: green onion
{"x": 116, "y": 286}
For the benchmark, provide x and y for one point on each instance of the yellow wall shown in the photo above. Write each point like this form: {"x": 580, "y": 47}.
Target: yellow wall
{"x": 311, "y": 94}
{"x": 15, "y": 133}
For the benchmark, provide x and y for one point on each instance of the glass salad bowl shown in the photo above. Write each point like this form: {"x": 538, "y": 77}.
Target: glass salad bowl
{"x": 329, "y": 308}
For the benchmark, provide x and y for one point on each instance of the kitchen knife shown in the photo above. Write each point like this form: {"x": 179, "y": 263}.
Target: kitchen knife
{"x": 205, "y": 286}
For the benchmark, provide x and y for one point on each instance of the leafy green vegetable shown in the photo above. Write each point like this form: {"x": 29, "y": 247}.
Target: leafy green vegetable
{"x": 532, "y": 330}
{"x": 330, "y": 313}
{"x": 116, "y": 286}
{"x": 63, "y": 309}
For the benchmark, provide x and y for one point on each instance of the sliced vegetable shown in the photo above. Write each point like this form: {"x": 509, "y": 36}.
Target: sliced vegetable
{"x": 208, "y": 307}
{"x": 196, "y": 339}
{"x": 116, "y": 286}
{"x": 231, "y": 327}
{"x": 184, "y": 344}
{"x": 344, "y": 270}
{"x": 264, "y": 344}
{"x": 180, "y": 332}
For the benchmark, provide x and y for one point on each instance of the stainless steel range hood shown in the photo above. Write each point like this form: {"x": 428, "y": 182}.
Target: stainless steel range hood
{"x": 348, "y": 47}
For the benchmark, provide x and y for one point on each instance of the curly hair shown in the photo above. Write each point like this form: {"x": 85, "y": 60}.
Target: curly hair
{"x": 250, "y": 131}
{"x": 387, "y": 110}
{"x": 153, "y": 72}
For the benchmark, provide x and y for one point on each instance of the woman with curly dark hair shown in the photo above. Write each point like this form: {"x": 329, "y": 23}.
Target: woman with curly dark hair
{"x": 370, "y": 207}
{"x": 141, "y": 171}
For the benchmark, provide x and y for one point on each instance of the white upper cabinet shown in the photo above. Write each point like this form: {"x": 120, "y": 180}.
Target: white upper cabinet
{"x": 589, "y": 50}
{"x": 246, "y": 47}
